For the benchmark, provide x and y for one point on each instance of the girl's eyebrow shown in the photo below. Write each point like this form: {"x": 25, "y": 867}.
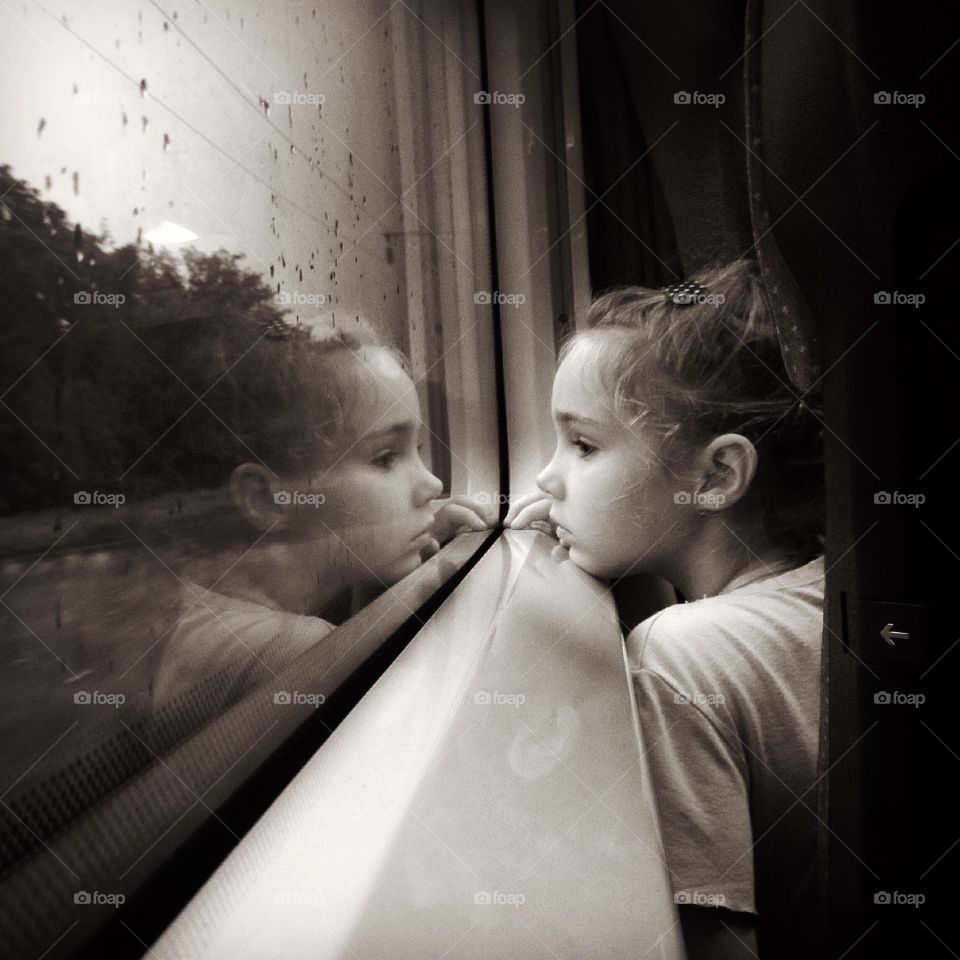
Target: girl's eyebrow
{"x": 564, "y": 416}
{"x": 407, "y": 426}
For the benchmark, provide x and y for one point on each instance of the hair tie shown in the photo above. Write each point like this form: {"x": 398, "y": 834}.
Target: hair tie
{"x": 685, "y": 293}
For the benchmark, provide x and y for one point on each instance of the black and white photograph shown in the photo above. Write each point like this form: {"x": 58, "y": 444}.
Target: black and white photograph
{"x": 479, "y": 480}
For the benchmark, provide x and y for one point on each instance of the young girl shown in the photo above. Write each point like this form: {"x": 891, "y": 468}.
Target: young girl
{"x": 684, "y": 452}
{"x": 318, "y": 441}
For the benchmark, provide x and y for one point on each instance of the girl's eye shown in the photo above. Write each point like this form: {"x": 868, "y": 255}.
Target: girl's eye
{"x": 385, "y": 460}
{"x": 585, "y": 448}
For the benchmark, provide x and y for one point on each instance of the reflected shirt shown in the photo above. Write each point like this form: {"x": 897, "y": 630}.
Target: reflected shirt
{"x": 234, "y": 644}
{"x": 728, "y": 694}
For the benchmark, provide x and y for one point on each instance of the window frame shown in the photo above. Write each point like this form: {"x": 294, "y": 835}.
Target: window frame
{"x": 520, "y": 207}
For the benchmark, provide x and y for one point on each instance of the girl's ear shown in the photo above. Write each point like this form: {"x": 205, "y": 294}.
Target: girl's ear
{"x": 728, "y": 465}
{"x": 259, "y": 495}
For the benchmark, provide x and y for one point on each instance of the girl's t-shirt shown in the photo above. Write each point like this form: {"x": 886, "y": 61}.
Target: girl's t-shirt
{"x": 728, "y": 694}
{"x": 223, "y": 646}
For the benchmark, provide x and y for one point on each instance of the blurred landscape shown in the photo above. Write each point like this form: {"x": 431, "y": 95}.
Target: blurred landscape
{"x": 101, "y": 368}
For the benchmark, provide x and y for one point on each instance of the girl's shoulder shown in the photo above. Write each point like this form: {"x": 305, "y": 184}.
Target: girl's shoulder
{"x": 762, "y": 618}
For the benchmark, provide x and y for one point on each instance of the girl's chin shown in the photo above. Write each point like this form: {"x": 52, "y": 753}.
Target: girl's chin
{"x": 589, "y": 564}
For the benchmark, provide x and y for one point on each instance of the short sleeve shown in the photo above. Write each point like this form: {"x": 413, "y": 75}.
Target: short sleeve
{"x": 703, "y": 798}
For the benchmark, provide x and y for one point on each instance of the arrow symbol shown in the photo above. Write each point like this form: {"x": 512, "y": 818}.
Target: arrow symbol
{"x": 891, "y": 635}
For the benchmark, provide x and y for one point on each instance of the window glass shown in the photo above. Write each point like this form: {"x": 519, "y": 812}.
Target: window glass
{"x": 240, "y": 242}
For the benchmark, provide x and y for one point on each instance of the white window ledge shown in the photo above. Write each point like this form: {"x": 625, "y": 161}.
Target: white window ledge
{"x": 487, "y": 797}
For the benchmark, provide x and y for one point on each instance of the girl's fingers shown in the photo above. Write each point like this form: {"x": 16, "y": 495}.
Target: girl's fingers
{"x": 431, "y": 547}
{"x": 540, "y": 510}
{"x": 521, "y": 503}
{"x": 482, "y": 507}
{"x": 456, "y": 516}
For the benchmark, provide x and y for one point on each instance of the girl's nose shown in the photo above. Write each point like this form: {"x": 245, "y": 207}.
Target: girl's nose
{"x": 429, "y": 487}
{"x": 549, "y": 482}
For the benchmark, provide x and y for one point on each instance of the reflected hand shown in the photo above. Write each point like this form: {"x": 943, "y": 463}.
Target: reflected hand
{"x": 458, "y": 515}
{"x": 531, "y": 510}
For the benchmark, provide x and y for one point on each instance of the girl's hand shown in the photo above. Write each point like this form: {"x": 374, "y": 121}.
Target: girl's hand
{"x": 458, "y": 515}
{"x": 531, "y": 510}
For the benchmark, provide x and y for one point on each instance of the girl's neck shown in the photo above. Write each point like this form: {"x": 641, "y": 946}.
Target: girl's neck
{"x": 723, "y": 558}
{"x": 262, "y": 576}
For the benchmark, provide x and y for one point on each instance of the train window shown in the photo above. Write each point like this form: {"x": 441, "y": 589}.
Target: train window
{"x": 247, "y": 362}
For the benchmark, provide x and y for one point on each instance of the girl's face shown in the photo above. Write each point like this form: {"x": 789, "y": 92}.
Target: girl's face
{"x": 614, "y": 500}
{"x": 376, "y": 491}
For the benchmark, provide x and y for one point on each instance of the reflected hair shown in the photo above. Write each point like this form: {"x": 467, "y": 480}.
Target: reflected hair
{"x": 286, "y": 400}
{"x": 687, "y": 372}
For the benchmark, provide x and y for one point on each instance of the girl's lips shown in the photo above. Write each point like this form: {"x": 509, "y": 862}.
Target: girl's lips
{"x": 562, "y": 533}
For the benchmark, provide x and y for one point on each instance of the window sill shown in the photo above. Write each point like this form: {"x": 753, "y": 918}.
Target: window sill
{"x": 486, "y": 796}
{"x": 121, "y": 843}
